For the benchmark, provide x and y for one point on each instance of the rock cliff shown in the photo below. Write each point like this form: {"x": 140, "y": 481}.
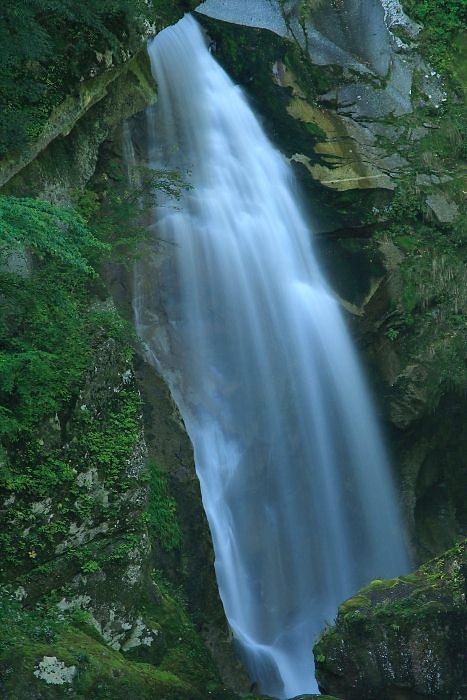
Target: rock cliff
{"x": 106, "y": 577}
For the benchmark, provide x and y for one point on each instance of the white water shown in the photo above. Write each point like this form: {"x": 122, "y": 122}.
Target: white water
{"x": 237, "y": 316}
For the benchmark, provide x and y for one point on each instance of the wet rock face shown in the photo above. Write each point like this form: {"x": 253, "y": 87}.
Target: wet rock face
{"x": 401, "y": 639}
{"x": 375, "y": 83}
{"x": 331, "y": 30}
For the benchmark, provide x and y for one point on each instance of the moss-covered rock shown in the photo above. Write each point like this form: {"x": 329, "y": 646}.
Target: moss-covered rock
{"x": 189, "y": 566}
{"x": 107, "y": 567}
{"x": 400, "y": 639}
{"x": 75, "y": 515}
{"x": 69, "y": 161}
{"x": 45, "y": 656}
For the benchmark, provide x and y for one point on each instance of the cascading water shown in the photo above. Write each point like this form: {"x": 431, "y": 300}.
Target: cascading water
{"x": 237, "y": 316}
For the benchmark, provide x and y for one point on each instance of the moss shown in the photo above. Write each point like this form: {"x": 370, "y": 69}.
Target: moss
{"x": 63, "y": 158}
{"x": 431, "y": 309}
{"x": 359, "y": 602}
{"x": 38, "y": 468}
{"x": 47, "y": 51}
{"x": 162, "y": 510}
{"x": 26, "y": 637}
{"x": 424, "y": 310}
{"x": 167, "y": 13}
{"x": 408, "y": 637}
{"x": 80, "y": 532}
{"x": 178, "y": 648}
{"x": 442, "y": 21}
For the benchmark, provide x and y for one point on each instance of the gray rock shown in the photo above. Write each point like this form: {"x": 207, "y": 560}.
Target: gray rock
{"x": 17, "y": 262}
{"x": 344, "y": 25}
{"x": 264, "y": 14}
{"x": 442, "y": 207}
{"x": 428, "y": 180}
{"x": 355, "y": 35}
{"x": 394, "y": 16}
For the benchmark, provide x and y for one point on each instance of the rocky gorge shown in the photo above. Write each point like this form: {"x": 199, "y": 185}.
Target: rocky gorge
{"x": 107, "y": 580}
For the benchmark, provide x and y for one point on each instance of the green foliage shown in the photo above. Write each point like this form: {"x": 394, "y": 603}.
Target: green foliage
{"x": 45, "y": 471}
{"x": 49, "y": 230}
{"x": 90, "y": 567}
{"x": 392, "y": 333}
{"x": 108, "y": 440}
{"x": 50, "y": 331}
{"x": 51, "y": 327}
{"x": 39, "y": 625}
{"x": 184, "y": 655}
{"x": 430, "y": 322}
{"x": 444, "y": 146}
{"x": 47, "y": 47}
{"x": 442, "y": 21}
{"x": 162, "y": 511}
{"x": 45, "y": 342}
{"x": 436, "y": 584}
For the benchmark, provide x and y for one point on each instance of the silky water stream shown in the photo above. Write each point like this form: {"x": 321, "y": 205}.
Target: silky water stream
{"x": 237, "y": 316}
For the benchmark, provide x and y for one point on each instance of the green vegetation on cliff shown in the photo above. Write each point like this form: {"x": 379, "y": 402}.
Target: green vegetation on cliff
{"x": 52, "y": 326}
{"x": 442, "y": 21}
{"x": 104, "y": 550}
{"x": 422, "y": 234}
{"x": 81, "y": 505}
{"x": 91, "y": 532}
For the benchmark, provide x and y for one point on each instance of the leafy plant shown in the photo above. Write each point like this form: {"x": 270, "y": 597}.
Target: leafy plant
{"x": 442, "y": 21}
{"x": 162, "y": 510}
{"x": 125, "y": 196}
{"x": 392, "y": 333}
{"x": 48, "y": 230}
{"x": 90, "y": 567}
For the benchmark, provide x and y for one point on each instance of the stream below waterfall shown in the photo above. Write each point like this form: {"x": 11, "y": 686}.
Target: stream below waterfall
{"x": 237, "y": 316}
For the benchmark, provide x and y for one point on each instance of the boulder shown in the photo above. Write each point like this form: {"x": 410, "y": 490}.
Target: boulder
{"x": 400, "y": 639}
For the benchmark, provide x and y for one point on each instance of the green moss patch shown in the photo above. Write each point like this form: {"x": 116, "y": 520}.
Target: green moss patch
{"x": 407, "y": 636}
{"x": 95, "y": 670}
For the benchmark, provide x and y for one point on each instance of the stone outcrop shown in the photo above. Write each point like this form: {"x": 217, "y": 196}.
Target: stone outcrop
{"x": 401, "y": 639}
{"x": 88, "y": 589}
{"x": 373, "y": 78}
{"x": 104, "y": 608}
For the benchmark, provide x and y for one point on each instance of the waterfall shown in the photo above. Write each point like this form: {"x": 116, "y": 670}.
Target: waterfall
{"x": 235, "y": 312}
